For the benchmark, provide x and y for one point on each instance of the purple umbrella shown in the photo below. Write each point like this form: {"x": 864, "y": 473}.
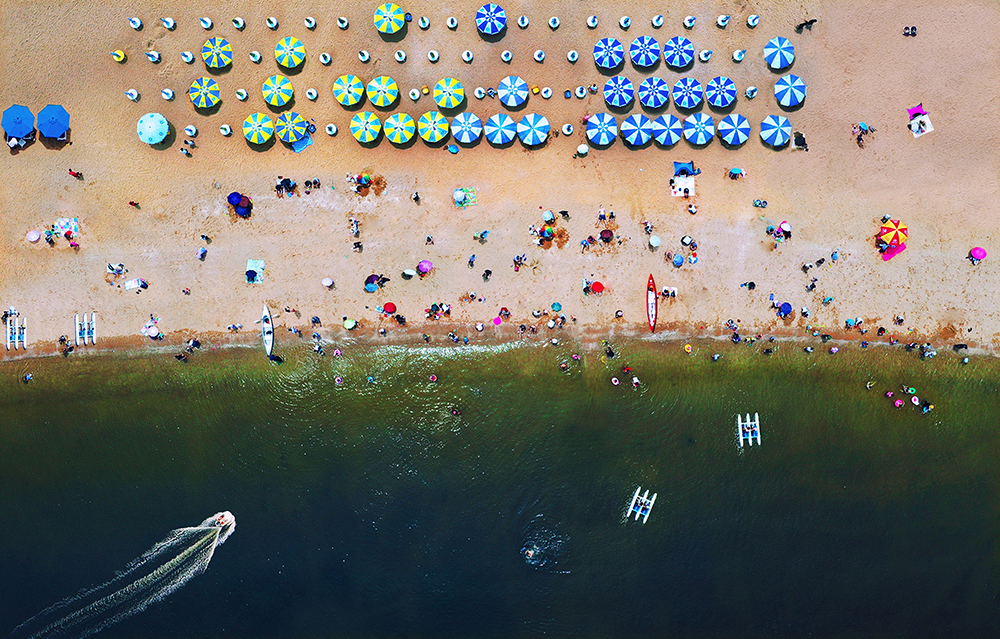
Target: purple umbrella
{"x": 371, "y": 279}
{"x": 425, "y": 266}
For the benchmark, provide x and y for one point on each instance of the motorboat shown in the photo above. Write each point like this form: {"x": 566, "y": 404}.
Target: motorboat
{"x": 267, "y": 330}
{"x": 641, "y": 506}
{"x": 651, "y": 303}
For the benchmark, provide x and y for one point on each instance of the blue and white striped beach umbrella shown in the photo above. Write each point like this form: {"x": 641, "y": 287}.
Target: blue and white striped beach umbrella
{"x": 644, "y": 51}
{"x": 734, "y": 129}
{"x": 636, "y": 129}
{"x": 602, "y": 129}
{"x": 654, "y": 92}
{"x": 678, "y": 52}
{"x": 512, "y": 91}
{"x": 533, "y": 129}
{"x": 608, "y": 53}
{"x": 500, "y": 129}
{"x": 491, "y": 19}
{"x": 667, "y": 129}
{"x": 618, "y": 91}
{"x": 790, "y": 90}
{"x": 776, "y": 130}
{"x": 466, "y": 127}
{"x": 688, "y": 93}
{"x": 720, "y": 92}
{"x": 779, "y": 53}
{"x": 699, "y": 128}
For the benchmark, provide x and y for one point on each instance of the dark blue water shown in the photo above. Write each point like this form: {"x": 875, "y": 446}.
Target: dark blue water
{"x": 371, "y": 510}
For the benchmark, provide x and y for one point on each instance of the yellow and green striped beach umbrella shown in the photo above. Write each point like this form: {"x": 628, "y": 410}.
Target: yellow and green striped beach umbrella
{"x": 449, "y": 93}
{"x": 290, "y": 52}
{"x": 432, "y": 126}
{"x": 389, "y": 18}
{"x": 217, "y": 53}
{"x": 400, "y": 128}
{"x": 258, "y": 128}
{"x": 204, "y": 93}
{"x": 382, "y": 91}
{"x": 277, "y": 90}
{"x": 348, "y": 89}
{"x": 365, "y": 127}
{"x": 291, "y": 127}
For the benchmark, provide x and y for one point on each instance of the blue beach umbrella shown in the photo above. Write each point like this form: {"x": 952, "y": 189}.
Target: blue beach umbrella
{"x": 290, "y": 52}
{"x": 512, "y": 91}
{"x": 217, "y": 53}
{"x": 636, "y": 129}
{"x": 608, "y": 53}
{"x": 779, "y": 53}
{"x": 500, "y": 129}
{"x": 688, "y": 93}
{"x": 432, "y": 126}
{"x": 448, "y": 93}
{"x": 720, "y": 92}
{"x": 290, "y": 127}
{"x": 644, "y": 51}
{"x": 602, "y": 129}
{"x": 667, "y": 130}
{"x": 258, "y": 129}
{"x": 533, "y": 129}
{"x": 18, "y": 121}
{"x": 678, "y": 52}
{"x": 152, "y": 128}
{"x": 776, "y": 130}
{"x": 400, "y": 128}
{"x": 466, "y": 127}
{"x": 382, "y": 91}
{"x": 53, "y": 121}
{"x": 277, "y": 90}
{"x": 734, "y": 129}
{"x": 790, "y": 90}
{"x": 618, "y": 91}
{"x": 491, "y": 19}
{"x": 654, "y": 92}
{"x": 348, "y": 89}
{"x": 389, "y": 18}
{"x": 365, "y": 127}
{"x": 699, "y": 128}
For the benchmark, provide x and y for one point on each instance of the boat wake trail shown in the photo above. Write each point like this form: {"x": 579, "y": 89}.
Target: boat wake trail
{"x": 171, "y": 563}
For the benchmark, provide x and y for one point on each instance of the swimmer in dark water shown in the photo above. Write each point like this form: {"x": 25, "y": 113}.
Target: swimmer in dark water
{"x": 609, "y": 352}
{"x": 716, "y": 357}
{"x": 455, "y": 411}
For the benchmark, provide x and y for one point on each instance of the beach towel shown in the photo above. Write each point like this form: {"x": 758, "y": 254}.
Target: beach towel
{"x": 921, "y": 125}
{"x": 681, "y": 183}
{"x": 136, "y": 283}
{"x": 300, "y": 146}
{"x": 892, "y": 252}
{"x": 470, "y": 198}
{"x": 64, "y": 224}
{"x": 258, "y": 267}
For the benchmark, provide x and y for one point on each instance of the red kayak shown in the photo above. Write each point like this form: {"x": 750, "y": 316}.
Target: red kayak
{"x": 651, "y": 302}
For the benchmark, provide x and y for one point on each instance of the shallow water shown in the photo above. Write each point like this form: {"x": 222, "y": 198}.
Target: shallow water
{"x": 370, "y": 509}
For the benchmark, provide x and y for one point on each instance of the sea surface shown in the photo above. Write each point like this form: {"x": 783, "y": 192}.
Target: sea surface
{"x": 371, "y": 509}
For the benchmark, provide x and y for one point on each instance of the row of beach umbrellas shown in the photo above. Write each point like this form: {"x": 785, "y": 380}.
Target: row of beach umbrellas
{"x": 677, "y": 52}
{"x": 688, "y": 93}
{"x": 499, "y": 129}
{"x": 697, "y": 128}
{"x": 18, "y": 121}
{"x": 217, "y": 52}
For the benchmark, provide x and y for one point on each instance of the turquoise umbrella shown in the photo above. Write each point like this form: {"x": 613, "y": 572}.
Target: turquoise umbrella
{"x": 152, "y": 128}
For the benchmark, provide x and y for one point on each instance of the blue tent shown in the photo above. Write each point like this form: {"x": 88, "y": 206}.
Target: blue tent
{"x": 53, "y": 121}
{"x": 685, "y": 168}
{"x": 18, "y": 121}
{"x": 491, "y": 19}
{"x": 609, "y": 53}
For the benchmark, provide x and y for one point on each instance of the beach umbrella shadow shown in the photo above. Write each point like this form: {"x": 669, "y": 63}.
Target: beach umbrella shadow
{"x": 374, "y": 143}
{"x": 212, "y": 110}
{"x": 278, "y": 109}
{"x": 492, "y": 39}
{"x": 218, "y": 71}
{"x": 791, "y": 109}
{"x": 54, "y": 143}
{"x": 394, "y": 37}
{"x": 265, "y": 146}
{"x": 167, "y": 141}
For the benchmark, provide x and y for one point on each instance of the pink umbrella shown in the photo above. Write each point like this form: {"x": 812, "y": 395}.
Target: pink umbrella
{"x": 425, "y": 266}
{"x": 497, "y": 321}
{"x": 978, "y": 253}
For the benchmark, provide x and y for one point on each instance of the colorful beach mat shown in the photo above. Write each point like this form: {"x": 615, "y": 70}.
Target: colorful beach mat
{"x": 258, "y": 267}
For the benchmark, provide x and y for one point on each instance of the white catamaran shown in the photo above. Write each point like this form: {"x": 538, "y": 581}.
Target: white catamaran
{"x": 640, "y": 505}
{"x": 748, "y": 430}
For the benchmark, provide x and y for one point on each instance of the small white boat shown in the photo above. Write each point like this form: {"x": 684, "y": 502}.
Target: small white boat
{"x": 641, "y": 506}
{"x": 76, "y": 329}
{"x": 748, "y": 430}
{"x": 91, "y": 329}
{"x": 267, "y": 330}
{"x": 22, "y": 334}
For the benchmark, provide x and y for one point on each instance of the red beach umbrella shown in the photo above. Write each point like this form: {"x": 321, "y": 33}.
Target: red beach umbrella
{"x": 893, "y": 233}
{"x": 390, "y": 307}
{"x": 597, "y": 287}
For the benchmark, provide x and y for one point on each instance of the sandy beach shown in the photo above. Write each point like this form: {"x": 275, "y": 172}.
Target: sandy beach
{"x": 943, "y": 185}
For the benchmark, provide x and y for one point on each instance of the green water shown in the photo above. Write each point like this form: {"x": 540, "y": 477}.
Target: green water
{"x": 370, "y": 509}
